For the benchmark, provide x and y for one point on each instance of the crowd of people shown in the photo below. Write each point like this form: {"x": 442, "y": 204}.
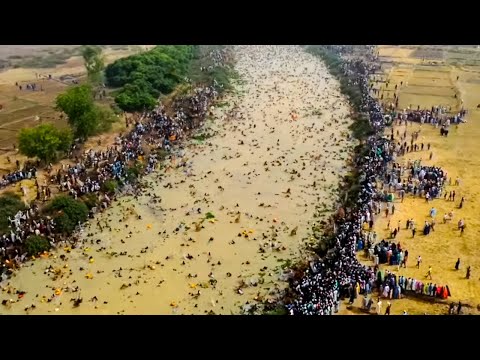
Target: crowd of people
{"x": 339, "y": 274}
{"x": 423, "y": 181}
{"x": 386, "y": 252}
{"x": 28, "y": 172}
{"x": 392, "y": 286}
{"x": 152, "y": 132}
{"x": 436, "y": 116}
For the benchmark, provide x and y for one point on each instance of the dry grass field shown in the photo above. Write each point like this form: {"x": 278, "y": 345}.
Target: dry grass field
{"x": 429, "y": 79}
{"x": 22, "y": 107}
{"x": 25, "y": 108}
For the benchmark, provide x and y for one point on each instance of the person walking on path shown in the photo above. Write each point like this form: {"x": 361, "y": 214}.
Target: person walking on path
{"x": 429, "y": 272}
{"x": 419, "y": 261}
{"x": 457, "y": 264}
{"x": 468, "y": 272}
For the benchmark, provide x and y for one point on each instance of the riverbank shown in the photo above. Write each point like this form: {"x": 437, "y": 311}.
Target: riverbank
{"x": 260, "y": 177}
{"x": 426, "y": 84}
{"x": 318, "y": 287}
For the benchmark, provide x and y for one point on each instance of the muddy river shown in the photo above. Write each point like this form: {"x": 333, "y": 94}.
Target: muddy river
{"x": 211, "y": 235}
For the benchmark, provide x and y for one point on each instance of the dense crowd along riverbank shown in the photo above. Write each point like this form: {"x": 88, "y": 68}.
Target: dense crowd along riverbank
{"x": 104, "y": 173}
{"x": 339, "y": 274}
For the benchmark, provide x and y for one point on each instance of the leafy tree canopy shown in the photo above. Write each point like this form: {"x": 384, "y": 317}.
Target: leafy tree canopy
{"x": 67, "y": 213}
{"x": 44, "y": 141}
{"x": 145, "y": 76}
{"x": 84, "y": 116}
{"x": 94, "y": 62}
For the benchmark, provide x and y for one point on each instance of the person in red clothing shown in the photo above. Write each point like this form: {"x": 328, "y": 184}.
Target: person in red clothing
{"x": 445, "y": 293}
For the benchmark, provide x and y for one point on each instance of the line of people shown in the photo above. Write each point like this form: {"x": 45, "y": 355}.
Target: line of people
{"x": 28, "y": 172}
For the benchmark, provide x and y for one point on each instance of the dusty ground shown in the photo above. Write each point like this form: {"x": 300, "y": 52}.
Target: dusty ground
{"x": 261, "y": 176}
{"x": 436, "y": 84}
{"x": 22, "y": 107}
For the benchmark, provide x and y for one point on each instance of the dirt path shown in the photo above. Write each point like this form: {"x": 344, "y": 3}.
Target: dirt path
{"x": 261, "y": 176}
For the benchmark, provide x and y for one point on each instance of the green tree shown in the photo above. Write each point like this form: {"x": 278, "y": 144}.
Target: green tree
{"x": 67, "y": 213}
{"x": 110, "y": 186}
{"x": 10, "y": 204}
{"x": 84, "y": 116}
{"x": 35, "y": 244}
{"x": 146, "y": 75}
{"x": 132, "y": 98}
{"x": 105, "y": 118}
{"x": 75, "y": 102}
{"x": 133, "y": 172}
{"x": 94, "y": 63}
{"x": 44, "y": 141}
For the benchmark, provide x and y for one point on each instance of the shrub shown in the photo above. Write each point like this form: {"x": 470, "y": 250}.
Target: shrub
{"x": 133, "y": 172}
{"x": 110, "y": 186}
{"x": 44, "y": 141}
{"x": 36, "y": 244}
{"x": 116, "y": 109}
{"x": 67, "y": 213}
{"x": 361, "y": 127}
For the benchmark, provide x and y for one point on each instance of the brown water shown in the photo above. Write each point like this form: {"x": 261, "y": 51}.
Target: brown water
{"x": 245, "y": 186}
